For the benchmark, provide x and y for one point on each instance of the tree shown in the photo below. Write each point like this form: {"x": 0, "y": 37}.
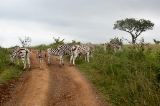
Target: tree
{"x": 26, "y": 42}
{"x": 133, "y": 26}
{"x": 156, "y": 41}
{"x": 74, "y": 42}
{"x": 58, "y": 41}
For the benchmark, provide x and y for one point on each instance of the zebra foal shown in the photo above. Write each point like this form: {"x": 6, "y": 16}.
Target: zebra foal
{"x": 39, "y": 57}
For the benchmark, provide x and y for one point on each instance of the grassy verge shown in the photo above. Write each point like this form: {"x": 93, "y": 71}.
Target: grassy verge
{"x": 8, "y": 72}
{"x": 125, "y": 78}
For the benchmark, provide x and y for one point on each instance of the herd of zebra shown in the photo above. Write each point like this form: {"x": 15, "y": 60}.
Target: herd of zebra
{"x": 73, "y": 51}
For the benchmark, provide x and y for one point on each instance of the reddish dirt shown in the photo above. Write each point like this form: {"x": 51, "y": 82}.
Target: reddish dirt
{"x": 52, "y": 86}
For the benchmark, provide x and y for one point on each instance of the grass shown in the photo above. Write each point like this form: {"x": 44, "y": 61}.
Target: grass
{"x": 125, "y": 78}
{"x": 8, "y": 72}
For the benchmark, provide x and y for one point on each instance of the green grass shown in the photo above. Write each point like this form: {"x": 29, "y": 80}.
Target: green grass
{"x": 128, "y": 78}
{"x": 7, "y": 71}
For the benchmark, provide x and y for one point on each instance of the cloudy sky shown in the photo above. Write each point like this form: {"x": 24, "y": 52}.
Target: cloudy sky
{"x": 80, "y": 20}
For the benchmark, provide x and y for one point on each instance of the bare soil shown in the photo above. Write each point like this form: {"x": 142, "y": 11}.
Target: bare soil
{"x": 53, "y": 86}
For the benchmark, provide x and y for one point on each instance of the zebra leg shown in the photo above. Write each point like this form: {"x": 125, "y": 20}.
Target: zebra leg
{"x": 85, "y": 57}
{"x": 28, "y": 60}
{"x": 71, "y": 58}
{"x": 74, "y": 61}
{"x": 40, "y": 63}
{"x": 49, "y": 56}
{"x": 88, "y": 57}
{"x": 18, "y": 61}
{"x": 115, "y": 49}
{"x": 74, "y": 58}
{"x": 61, "y": 60}
{"x": 24, "y": 62}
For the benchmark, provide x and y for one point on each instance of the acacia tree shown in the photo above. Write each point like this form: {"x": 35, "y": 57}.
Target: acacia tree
{"x": 133, "y": 26}
{"x": 156, "y": 41}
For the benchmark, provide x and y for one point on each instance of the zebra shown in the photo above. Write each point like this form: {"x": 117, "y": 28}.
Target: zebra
{"x": 86, "y": 51}
{"x": 39, "y": 57}
{"x": 105, "y": 45}
{"x": 56, "y": 52}
{"x": 72, "y": 50}
{"x": 94, "y": 47}
{"x": 22, "y": 53}
{"x": 115, "y": 45}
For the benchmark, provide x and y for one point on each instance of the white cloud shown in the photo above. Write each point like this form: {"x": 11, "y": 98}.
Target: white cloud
{"x": 83, "y": 20}
{"x": 11, "y": 30}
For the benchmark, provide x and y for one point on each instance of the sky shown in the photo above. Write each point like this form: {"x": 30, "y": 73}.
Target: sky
{"x": 80, "y": 20}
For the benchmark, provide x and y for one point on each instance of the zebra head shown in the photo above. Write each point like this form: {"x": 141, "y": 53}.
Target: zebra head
{"x": 12, "y": 57}
{"x": 39, "y": 54}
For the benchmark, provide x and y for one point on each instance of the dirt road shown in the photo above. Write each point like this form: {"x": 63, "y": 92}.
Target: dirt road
{"x": 52, "y": 86}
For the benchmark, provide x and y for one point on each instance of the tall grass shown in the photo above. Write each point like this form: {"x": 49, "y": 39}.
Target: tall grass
{"x": 126, "y": 78}
{"x": 8, "y": 72}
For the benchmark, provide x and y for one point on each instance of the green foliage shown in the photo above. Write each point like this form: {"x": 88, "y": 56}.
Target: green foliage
{"x": 74, "y": 42}
{"x": 128, "y": 78}
{"x": 58, "y": 41}
{"x": 136, "y": 53}
{"x": 41, "y": 47}
{"x": 26, "y": 42}
{"x": 6, "y": 71}
{"x": 133, "y": 26}
{"x": 157, "y": 55}
{"x": 4, "y": 58}
{"x": 156, "y": 42}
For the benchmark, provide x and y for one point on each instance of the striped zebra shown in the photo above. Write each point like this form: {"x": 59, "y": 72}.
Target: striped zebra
{"x": 105, "y": 46}
{"x": 85, "y": 50}
{"x": 55, "y": 52}
{"x": 39, "y": 57}
{"x": 20, "y": 53}
{"x": 72, "y": 50}
{"x": 94, "y": 47}
{"x": 115, "y": 45}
